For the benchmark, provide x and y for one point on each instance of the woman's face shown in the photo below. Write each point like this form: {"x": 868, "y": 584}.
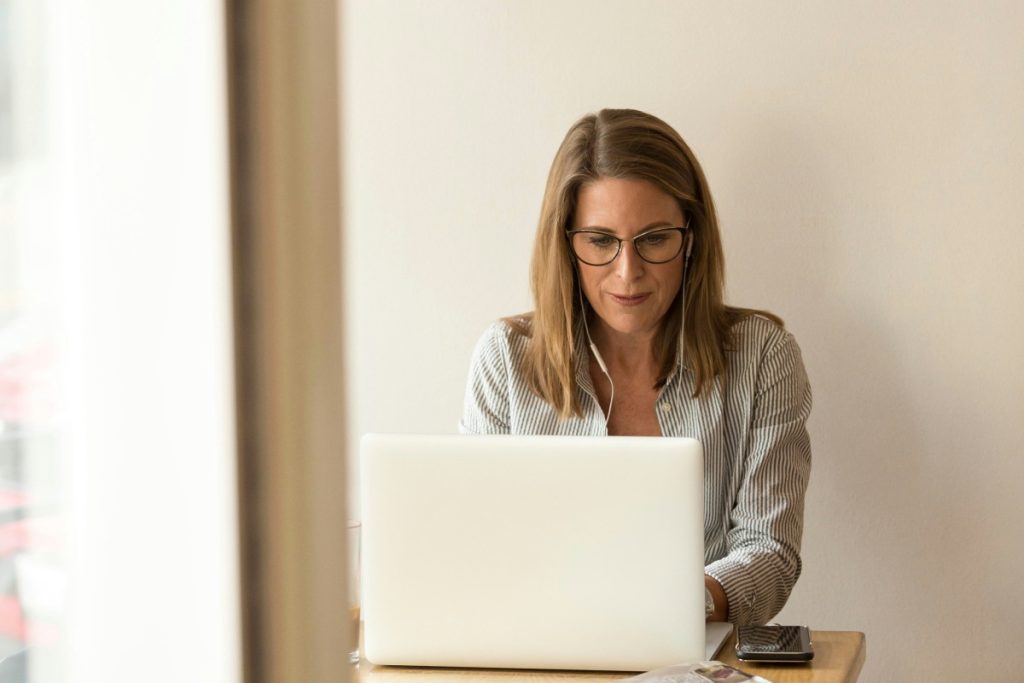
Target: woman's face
{"x": 629, "y": 295}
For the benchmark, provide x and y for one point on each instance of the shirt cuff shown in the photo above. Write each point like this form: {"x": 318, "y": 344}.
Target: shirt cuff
{"x": 741, "y": 591}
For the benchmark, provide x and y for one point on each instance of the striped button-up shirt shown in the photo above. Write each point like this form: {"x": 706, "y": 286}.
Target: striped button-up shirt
{"x": 752, "y": 425}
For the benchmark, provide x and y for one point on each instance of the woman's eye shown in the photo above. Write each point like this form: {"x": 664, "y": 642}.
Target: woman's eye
{"x": 653, "y": 240}
{"x": 601, "y": 241}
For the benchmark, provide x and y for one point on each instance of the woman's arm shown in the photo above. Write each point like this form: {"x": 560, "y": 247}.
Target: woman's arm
{"x": 486, "y": 406}
{"x": 766, "y": 521}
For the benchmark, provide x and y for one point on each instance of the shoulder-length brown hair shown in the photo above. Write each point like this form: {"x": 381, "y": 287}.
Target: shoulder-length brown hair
{"x": 624, "y": 143}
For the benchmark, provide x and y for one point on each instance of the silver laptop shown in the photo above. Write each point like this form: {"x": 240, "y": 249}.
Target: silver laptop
{"x": 532, "y": 552}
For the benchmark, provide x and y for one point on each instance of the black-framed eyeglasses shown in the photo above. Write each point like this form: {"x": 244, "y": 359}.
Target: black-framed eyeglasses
{"x": 596, "y": 248}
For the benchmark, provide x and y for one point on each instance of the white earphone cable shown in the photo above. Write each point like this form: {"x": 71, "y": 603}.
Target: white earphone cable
{"x": 682, "y": 298}
{"x": 593, "y": 349}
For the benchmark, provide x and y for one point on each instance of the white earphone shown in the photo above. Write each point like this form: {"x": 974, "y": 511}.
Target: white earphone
{"x": 593, "y": 346}
{"x": 682, "y": 293}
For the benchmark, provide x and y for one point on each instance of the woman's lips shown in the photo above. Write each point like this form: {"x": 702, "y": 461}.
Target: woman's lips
{"x": 634, "y": 300}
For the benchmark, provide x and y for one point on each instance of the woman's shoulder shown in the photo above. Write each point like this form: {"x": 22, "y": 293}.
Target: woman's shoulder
{"x": 765, "y": 356}
{"x": 757, "y": 334}
{"x": 508, "y": 336}
{"x": 521, "y": 324}
{"x": 514, "y": 329}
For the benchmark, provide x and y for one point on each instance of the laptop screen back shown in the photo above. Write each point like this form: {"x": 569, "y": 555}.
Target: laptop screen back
{"x": 532, "y": 552}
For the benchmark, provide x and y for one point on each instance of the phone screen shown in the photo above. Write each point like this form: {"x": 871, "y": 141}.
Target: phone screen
{"x": 774, "y": 642}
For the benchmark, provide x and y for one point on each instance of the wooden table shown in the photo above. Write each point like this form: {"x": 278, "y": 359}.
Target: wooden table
{"x": 838, "y": 658}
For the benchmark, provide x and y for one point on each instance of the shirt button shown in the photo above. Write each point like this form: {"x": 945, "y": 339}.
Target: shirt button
{"x": 665, "y": 407}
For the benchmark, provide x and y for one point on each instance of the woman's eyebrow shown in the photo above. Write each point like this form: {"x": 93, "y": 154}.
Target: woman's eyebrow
{"x": 649, "y": 226}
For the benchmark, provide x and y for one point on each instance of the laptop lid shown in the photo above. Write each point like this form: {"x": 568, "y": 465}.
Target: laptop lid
{"x": 532, "y": 551}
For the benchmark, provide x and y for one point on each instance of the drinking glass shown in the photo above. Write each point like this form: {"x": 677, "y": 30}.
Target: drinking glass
{"x": 353, "y": 531}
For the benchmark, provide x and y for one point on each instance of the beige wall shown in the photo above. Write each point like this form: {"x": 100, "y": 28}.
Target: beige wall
{"x": 868, "y": 163}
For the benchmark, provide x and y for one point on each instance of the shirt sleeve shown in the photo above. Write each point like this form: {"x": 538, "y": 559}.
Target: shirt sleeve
{"x": 766, "y": 521}
{"x": 486, "y": 407}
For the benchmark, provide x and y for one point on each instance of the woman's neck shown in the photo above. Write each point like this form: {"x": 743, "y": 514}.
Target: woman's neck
{"x": 631, "y": 353}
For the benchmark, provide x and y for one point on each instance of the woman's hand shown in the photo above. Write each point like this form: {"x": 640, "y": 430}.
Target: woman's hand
{"x": 721, "y": 612}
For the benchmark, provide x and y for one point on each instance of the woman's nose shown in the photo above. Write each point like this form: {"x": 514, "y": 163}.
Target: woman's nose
{"x": 629, "y": 265}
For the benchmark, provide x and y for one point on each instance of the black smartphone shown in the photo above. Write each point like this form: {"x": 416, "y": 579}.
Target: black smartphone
{"x": 774, "y": 644}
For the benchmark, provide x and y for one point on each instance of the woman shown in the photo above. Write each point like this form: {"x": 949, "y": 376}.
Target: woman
{"x": 630, "y": 336}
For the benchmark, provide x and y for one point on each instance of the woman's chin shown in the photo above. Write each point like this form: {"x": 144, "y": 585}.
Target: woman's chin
{"x": 630, "y": 326}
